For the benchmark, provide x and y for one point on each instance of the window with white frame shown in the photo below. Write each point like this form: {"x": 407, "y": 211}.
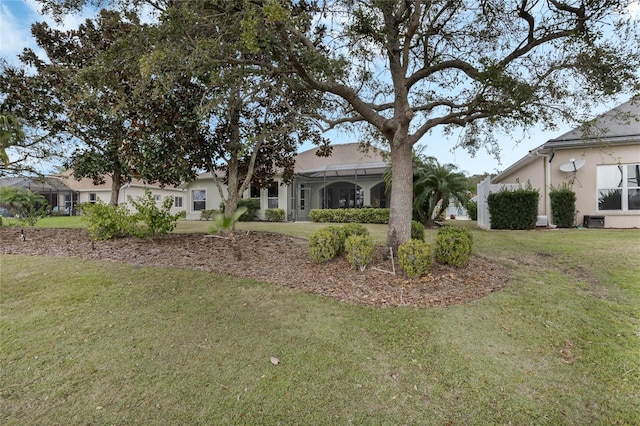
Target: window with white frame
{"x": 272, "y": 195}
{"x": 618, "y": 187}
{"x": 156, "y": 198}
{"x": 199, "y": 197}
{"x": 177, "y": 201}
{"x": 93, "y": 197}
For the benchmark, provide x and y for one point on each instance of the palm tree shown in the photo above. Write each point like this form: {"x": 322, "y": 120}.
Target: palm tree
{"x": 433, "y": 188}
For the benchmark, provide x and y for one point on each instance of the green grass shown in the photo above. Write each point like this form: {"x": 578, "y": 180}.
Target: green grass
{"x": 52, "y": 222}
{"x": 86, "y": 342}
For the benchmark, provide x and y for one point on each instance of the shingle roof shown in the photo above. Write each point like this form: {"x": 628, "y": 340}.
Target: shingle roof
{"x": 345, "y": 159}
{"x": 619, "y": 125}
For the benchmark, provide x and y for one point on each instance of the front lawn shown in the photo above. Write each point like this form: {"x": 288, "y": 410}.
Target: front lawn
{"x": 87, "y": 342}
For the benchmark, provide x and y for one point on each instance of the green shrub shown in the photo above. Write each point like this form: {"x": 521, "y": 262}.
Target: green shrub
{"x": 472, "y": 210}
{"x": 106, "y": 221}
{"x": 355, "y": 229}
{"x": 323, "y": 245}
{"x": 563, "y": 205}
{"x": 341, "y": 237}
{"x": 359, "y": 250}
{"x": 208, "y": 214}
{"x": 150, "y": 221}
{"x": 274, "y": 215}
{"x": 364, "y": 215}
{"x": 415, "y": 258}
{"x": 417, "y": 230}
{"x": 514, "y": 209}
{"x": 453, "y": 246}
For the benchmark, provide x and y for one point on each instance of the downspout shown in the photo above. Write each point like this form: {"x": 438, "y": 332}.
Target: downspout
{"x": 547, "y": 183}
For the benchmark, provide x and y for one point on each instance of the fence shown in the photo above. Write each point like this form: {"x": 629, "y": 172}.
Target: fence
{"x": 484, "y": 189}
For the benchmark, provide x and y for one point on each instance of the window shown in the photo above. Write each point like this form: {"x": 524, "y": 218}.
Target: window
{"x": 255, "y": 192}
{"x": 302, "y": 196}
{"x": 93, "y": 198}
{"x": 199, "y": 197}
{"x": 619, "y": 187}
{"x": 272, "y": 195}
{"x": 177, "y": 201}
{"x": 156, "y": 198}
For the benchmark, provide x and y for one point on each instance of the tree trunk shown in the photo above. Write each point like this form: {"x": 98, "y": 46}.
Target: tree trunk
{"x": 116, "y": 184}
{"x": 401, "y": 195}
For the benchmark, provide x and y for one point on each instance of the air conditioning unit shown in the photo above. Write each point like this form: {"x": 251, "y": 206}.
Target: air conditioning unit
{"x": 591, "y": 221}
{"x": 542, "y": 221}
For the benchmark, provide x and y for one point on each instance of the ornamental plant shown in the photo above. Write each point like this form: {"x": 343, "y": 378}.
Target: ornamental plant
{"x": 153, "y": 222}
{"x": 453, "y": 246}
{"x": 106, "y": 221}
{"x": 415, "y": 257}
{"x": 417, "y": 230}
{"x": 359, "y": 249}
{"x": 323, "y": 245}
{"x": 355, "y": 229}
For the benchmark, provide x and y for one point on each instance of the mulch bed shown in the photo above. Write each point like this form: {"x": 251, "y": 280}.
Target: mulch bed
{"x": 272, "y": 258}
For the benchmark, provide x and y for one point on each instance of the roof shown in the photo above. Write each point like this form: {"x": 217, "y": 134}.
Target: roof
{"x": 618, "y": 126}
{"x": 621, "y": 125}
{"x": 86, "y": 184}
{"x": 345, "y": 160}
{"x": 36, "y": 184}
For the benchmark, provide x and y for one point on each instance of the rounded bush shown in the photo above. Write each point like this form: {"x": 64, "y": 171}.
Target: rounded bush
{"x": 415, "y": 257}
{"x": 341, "y": 236}
{"x": 359, "y": 250}
{"x": 417, "y": 230}
{"x": 323, "y": 245}
{"x": 453, "y": 246}
{"x": 274, "y": 215}
{"x": 355, "y": 229}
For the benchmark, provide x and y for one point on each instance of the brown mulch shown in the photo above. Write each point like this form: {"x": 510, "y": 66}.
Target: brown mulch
{"x": 272, "y": 258}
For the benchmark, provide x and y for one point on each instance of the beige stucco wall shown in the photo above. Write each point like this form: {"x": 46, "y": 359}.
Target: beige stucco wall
{"x": 213, "y": 198}
{"x": 133, "y": 191}
{"x": 584, "y": 184}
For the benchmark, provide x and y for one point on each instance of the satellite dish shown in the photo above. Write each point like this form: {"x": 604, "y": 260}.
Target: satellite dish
{"x": 572, "y": 165}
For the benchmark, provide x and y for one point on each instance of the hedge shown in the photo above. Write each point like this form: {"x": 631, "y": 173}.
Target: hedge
{"x": 514, "y": 209}
{"x": 364, "y": 215}
{"x": 563, "y": 206}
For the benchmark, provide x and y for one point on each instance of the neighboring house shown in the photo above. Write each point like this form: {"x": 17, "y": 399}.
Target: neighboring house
{"x": 86, "y": 192}
{"x": 52, "y": 189}
{"x": 350, "y": 177}
{"x": 601, "y": 161}
{"x": 64, "y": 193}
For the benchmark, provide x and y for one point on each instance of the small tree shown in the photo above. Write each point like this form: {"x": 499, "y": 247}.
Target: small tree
{"x": 153, "y": 222}
{"x": 226, "y": 223}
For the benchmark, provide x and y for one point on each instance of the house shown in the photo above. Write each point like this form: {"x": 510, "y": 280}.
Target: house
{"x": 350, "y": 177}
{"x": 600, "y": 161}
{"x": 52, "y": 189}
{"x": 63, "y": 192}
{"x": 85, "y": 191}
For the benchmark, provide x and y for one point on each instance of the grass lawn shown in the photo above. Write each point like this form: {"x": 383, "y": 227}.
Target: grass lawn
{"x": 100, "y": 343}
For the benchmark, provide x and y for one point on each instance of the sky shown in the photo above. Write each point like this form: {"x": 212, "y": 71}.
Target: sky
{"x": 16, "y": 17}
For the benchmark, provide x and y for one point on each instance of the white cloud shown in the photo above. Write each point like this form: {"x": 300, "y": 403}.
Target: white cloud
{"x": 14, "y": 35}
{"x": 633, "y": 9}
{"x": 16, "y": 18}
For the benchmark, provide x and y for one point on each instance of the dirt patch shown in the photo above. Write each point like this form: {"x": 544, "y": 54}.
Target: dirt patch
{"x": 272, "y": 258}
